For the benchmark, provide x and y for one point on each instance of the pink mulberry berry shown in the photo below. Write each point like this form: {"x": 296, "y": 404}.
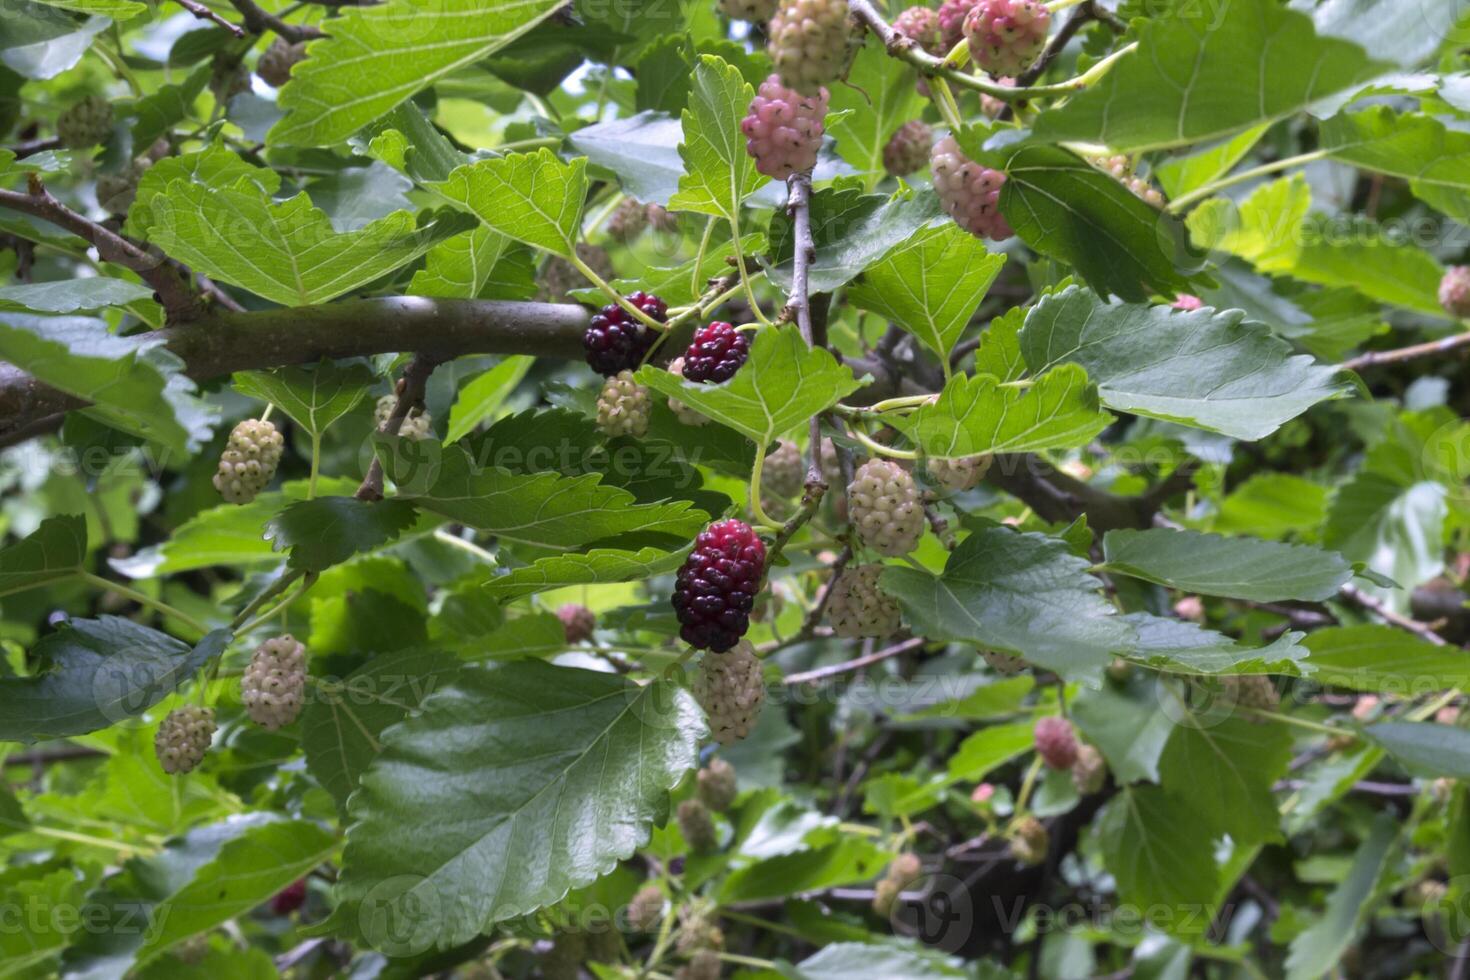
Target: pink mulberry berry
{"x": 969, "y": 192}
{"x": 907, "y": 148}
{"x": 1187, "y": 302}
{"x": 1006, "y": 36}
{"x": 920, "y": 24}
{"x": 1055, "y": 742}
{"x": 952, "y": 15}
{"x": 783, "y": 129}
{"x": 1454, "y": 291}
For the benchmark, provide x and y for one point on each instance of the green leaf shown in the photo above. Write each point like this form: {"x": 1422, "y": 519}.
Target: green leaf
{"x": 1273, "y": 505}
{"x": 781, "y": 386}
{"x": 287, "y": 251}
{"x": 1024, "y": 594}
{"x": 326, "y": 531}
{"x": 73, "y": 295}
{"x": 314, "y": 396}
{"x": 845, "y": 862}
{"x": 12, "y": 817}
{"x": 999, "y": 353}
{"x": 1223, "y": 769}
{"x": 988, "y": 749}
{"x": 1382, "y": 658}
{"x": 214, "y": 167}
{"x": 542, "y": 509}
{"x": 160, "y": 110}
{"x": 1395, "y": 528}
{"x": 1206, "y": 369}
{"x": 95, "y": 673}
{"x": 1434, "y": 159}
{"x": 53, "y": 552}
{"x": 1182, "y": 174}
{"x": 1237, "y": 568}
{"x": 406, "y": 140}
{"x": 599, "y": 566}
{"x": 377, "y": 57}
{"x": 1066, "y": 208}
{"x": 482, "y": 397}
{"x": 116, "y": 9}
{"x": 342, "y": 724}
{"x": 862, "y": 961}
{"x": 477, "y": 264}
{"x": 1201, "y": 74}
{"x": 880, "y": 95}
{"x": 1316, "y": 950}
{"x": 1175, "y": 645}
{"x": 532, "y": 197}
{"x": 642, "y": 151}
{"x": 930, "y": 284}
{"x": 1420, "y": 27}
{"x": 1425, "y": 747}
{"x": 1129, "y": 724}
{"x": 567, "y": 768}
{"x": 133, "y": 383}
{"x": 1152, "y": 846}
{"x": 978, "y": 414}
{"x": 851, "y": 231}
{"x": 719, "y": 174}
{"x": 247, "y": 872}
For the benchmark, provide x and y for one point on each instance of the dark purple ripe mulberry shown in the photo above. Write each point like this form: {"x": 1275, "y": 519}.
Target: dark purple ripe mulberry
{"x": 716, "y": 354}
{"x": 716, "y": 587}
{"x": 615, "y": 341}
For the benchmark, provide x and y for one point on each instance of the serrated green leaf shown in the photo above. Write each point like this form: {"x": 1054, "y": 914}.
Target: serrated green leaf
{"x": 314, "y": 396}
{"x": 1175, "y": 645}
{"x": 53, "y": 552}
{"x": 978, "y": 414}
{"x": 1212, "y": 370}
{"x": 214, "y": 167}
{"x": 477, "y": 264}
{"x": 532, "y": 197}
{"x": 851, "y": 231}
{"x": 862, "y": 961}
{"x": 95, "y": 673}
{"x": 718, "y": 173}
{"x": 999, "y": 353}
{"x": 930, "y": 284}
{"x": 599, "y": 566}
{"x": 247, "y": 872}
{"x": 341, "y": 725}
{"x": 1024, "y": 594}
{"x": 1273, "y": 505}
{"x": 287, "y": 251}
{"x": 483, "y": 396}
{"x": 133, "y": 383}
{"x": 1182, "y": 174}
{"x": 1425, "y": 747}
{"x": 1237, "y": 568}
{"x": 781, "y": 386}
{"x": 641, "y": 150}
{"x": 1382, "y": 658}
{"x": 880, "y": 95}
{"x": 379, "y": 56}
{"x": 568, "y": 769}
{"x": 1129, "y": 724}
{"x": 542, "y": 509}
{"x": 1224, "y": 769}
{"x": 408, "y": 142}
{"x": 326, "y": 531}
{"x": 1201, "y": 74}
{"x": 1066, "y": 208}
{"x": 1434, "y": 159}
{"x": 1151, "y": 844}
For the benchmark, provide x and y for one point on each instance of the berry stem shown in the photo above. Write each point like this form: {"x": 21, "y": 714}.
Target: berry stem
{"x": 944, "y": 101}
{"x": 959, "y": 55}
{"x": 709, "y": 229}
{"x": 617, "y": 297}
{"x": 316, "y": 464}
{"x": 1028, "y": 784}
{"x": 265, "y": 416}
{"x": 761, "y": 517}
{"x": 279, "y": 586}
{"x": 755, "y": 307}
{"x": 1183, "y": 201}
{"x": 1309, "y": 725}
{"x": 279, "y": 607}
{"x": 157, "y": 605}
{"x": 881, "y": 450}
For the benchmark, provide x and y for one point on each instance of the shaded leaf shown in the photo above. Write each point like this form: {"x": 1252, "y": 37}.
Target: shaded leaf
{"x": 53, "y": 552}
{"x": 315, "y": 396}
{"x": 325, "y": 531}
{"x": 1237, "y": 568}
{"x": 599, "y": 566}
{"x": 532, "y": 197}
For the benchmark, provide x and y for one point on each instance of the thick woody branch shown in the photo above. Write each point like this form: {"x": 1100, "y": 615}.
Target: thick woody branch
{"x": 224, "y": 342}
{"x": 178, "y": 302}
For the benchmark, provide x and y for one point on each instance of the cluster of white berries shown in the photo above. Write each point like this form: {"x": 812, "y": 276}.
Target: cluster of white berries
{"x": 273, "y": 687}
{"x": 623, "y": 406}
{"x": 808, "y": 42}
{"x": 183, "y": 738}
{"x": 969, "y": 192}
{"x": 249, "y": 461}
{"x": 681, "y": 411}
{"x": 730, "y": 688}
{"x": 885, "y": 507}
{"x": 859, "y": 607}
{"x": 415, "y": 426}
{"x": 956, "y": 475}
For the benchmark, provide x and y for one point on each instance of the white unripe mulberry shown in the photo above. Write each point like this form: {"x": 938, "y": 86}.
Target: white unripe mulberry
{"x": 273, "y": 687}
{"x": 884, "y": 507}
{"x": 969, "y": 192}
{"x": 1090, "y": 771}
{"x": 859, "y": 607}
{"x": 681, "y": 411}
{"x": 85, "y": 124}
{"x": 622, "y": 407}
{"x": 809, "y": 42}
{"x": 415, "y": 426}
{"x": 908, "y": 148}
{"x": 1003, "y": 663}
{"x": 784, "y": 473}
{"x": 1029, "y": 841}
{"x": 783, "y": 128}
{"x": 1006, "y": 36}
{"x": 183, "y": 738}
{"x": 716, "y": 785}
{"x": 730, "y": 688}
{"x": 249, "y": 461}
{"x": 956, "y": 475}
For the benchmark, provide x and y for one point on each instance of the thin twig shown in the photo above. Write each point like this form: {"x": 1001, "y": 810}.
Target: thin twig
{"x": 204, "y": 13}
{"x": 178, "y": 302}
{"x": 410, "y": 396}
{"x": 847, "y": 667}
{"x": 32, "y": 147}
{"x": 1376, "y": 606}
{"x": 939, "y": 525}
{"x": 1442, "y": 346}
{"x": 258, "y": 21}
